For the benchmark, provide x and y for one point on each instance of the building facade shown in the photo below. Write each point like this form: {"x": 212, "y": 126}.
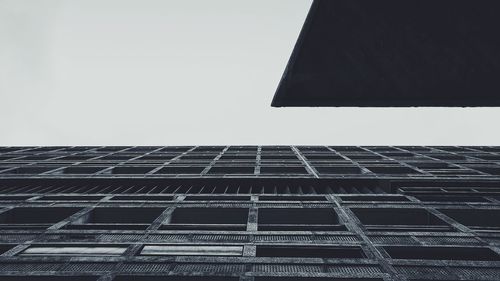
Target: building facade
{"x": 262, "y": 213}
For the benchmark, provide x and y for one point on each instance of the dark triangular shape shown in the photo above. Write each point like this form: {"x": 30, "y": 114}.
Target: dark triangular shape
{"x": 395, "y": 53}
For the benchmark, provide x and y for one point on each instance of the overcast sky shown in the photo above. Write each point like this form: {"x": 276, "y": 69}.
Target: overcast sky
{"x": 170, "y": 72}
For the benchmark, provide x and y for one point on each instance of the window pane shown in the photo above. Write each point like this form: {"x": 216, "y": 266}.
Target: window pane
{"x": 192, "y": 250}
{"x": 74, "y": 251}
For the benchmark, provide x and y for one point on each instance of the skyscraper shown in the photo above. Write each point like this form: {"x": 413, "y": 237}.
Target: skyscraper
{"x": 249, "y": 213}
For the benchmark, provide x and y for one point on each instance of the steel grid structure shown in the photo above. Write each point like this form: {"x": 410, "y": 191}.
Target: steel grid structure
{"x": 249, "y": 213}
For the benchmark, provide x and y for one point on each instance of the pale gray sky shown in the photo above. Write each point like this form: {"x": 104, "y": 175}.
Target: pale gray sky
{"x": 165, "y": 72}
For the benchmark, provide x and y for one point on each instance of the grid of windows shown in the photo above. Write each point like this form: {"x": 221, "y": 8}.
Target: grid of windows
{"x": 262, "y": 213}
{"x": 312, "y": 161}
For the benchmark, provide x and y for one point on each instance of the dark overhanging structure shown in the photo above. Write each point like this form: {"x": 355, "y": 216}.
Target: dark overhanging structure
{"x": 395, "y": 53}
{"x": 249, "y": 213}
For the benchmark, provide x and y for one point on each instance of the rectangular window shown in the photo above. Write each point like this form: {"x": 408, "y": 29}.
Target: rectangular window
{"x": 276, "y": 149}
{"x": 209, "y": 148}
{"x": 398, "y": 154}
{"x": 267, "y": 162}
{"x": 338, "y": 170}
{"x": 180, "y": 170}
{"x": 124, "y": 215}
{"x": 208, "y": 219}
{"x": 441, "y": 253}
{"x": 2, "y": 157}
{"x": 83, "y": 170}
{"x": 282, "y": 170}
{"x": 401, "y": 219}
{"x": 217, "y": 198}
{"x": 14, "y": 197}
{"x": 77, "y": 251}
{"x": 169, "y": 149}
{"x": 76, "y": 148}
{"x": 117, "y": 218}
{"x": 447, "y": 156}
{"x": 392, "y": 170}
{"x": 292, "y": 198}
{"x": 191, "y": 250}
{"x": 31, "y": 170}
{"x": 375, "y": 198}
{"x": 71, "y": 198}
{"x": 432, "y": 165}
{"x": 142, "y": 198}
{"x": 364, "y": 157}
{"x": 77, "y": 158}
{"x": 314, "y": 279}
{"x": 156, "y": 158}
{"x": 313, "y": 148}
{"x": 199, "y": 156}
{"x": 127, "y": 170}
{"x": 242, "y": 148}
{"x": 431, "y": 198}
{"x": 238, "y": 156}
{"x": 388, "y": 216}
{"x": 453, "y": 172}
{"x": 174, "y": 278}
{"x": 278, "y": 157}
{"x": 310, "y": 252}
{"x": 232, "y": 170}
{"x": 4, "y": 248}
{"x": 3, "y": 168}
{"x": 477, "y": 218}
{"x": 490, "y": 157}
{"x": 323, "y": 157}
{"x": 112, "y": 148}
{"x": 116, "y": 158}
{"x": 48, "y": 278}
{"x": 36, "y": 158}
{"x": 495, "y": 171}
{"x": 35, "y": 216}
{"x": 298, "y": 219}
